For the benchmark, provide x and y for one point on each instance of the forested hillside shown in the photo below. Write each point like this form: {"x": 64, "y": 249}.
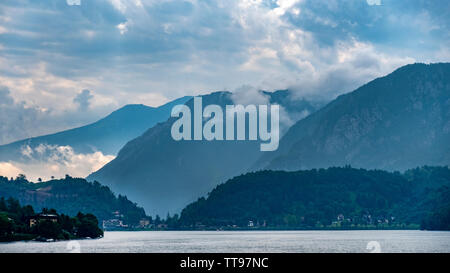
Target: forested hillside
{"x": 70, "y": 196}
{"x": 327, "y": 198}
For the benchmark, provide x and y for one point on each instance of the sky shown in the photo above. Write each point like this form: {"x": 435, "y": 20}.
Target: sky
{"x": 65, "y": 63}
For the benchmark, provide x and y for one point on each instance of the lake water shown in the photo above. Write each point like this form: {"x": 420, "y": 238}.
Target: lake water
{"x": 248, "y": 241}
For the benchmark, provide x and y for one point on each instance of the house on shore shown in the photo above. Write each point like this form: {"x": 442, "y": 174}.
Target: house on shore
{"x": 34, "y": 220}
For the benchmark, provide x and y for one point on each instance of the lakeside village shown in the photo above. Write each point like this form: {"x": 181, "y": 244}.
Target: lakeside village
{"x": 367, "y": 221}
{"x": 117, "y": 223}
{"x": 19, "y": 223}
{"x": 341, "y": 223}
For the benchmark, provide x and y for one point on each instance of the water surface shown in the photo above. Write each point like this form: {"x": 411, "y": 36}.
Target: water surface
{"x": 248, "y": 241}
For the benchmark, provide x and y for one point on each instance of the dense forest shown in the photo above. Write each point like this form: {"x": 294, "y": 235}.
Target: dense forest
{"x": 22, "y": 223}
{"x": 326, "y": 198}
{"x": 70, "y": 196}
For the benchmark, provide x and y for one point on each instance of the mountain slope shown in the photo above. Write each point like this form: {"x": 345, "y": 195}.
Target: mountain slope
{"x": 164, "y": 175}
{"x": 395, "y": 122}
{"x": 318, "y": 198}
{"x": 107, "y": 135}
{"x": 70, "y": 196}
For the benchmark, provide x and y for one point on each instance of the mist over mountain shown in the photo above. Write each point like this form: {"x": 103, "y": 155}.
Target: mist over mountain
{"x": 164, "y": 175}
{"x": 107, "y": 135}
{"x": 395, "y": 122}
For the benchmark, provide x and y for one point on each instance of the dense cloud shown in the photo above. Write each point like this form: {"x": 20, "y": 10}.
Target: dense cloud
{"x": 46, "y": 161}
{"x": 19, "y": 120}
{"x": 83, "y": 99}
{"x": 5, "y": 97}
{"x": 16, "y": 120}
{"x": 137, "y": 51}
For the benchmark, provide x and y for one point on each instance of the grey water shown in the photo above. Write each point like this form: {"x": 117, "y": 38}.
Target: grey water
{"x": 247, "y": 241}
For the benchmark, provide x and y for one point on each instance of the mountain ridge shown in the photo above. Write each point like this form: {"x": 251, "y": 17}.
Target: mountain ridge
{"x": 356, "y": 128}
{"x": 107, "y": 135}
{"x": 144, "y": 167}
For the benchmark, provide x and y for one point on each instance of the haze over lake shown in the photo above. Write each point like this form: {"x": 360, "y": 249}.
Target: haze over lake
{"x": 247, "y": 241}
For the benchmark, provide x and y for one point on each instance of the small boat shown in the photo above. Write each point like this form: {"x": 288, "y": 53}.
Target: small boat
{"x": 43, "y": 239}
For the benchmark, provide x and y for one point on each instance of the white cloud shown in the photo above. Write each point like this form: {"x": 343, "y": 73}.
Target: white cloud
{"x": 46, "y": 161}
{"x": 123, "y": 27}
{"x": 20, "y": 120}
{"x": 355, "y": 64}
{"x": 247, "y": 94}
{"x": 83, "y": 99}
{"x": 9, "y": 170}
{"x": 285, "y": 5}
{"x": 374, "y": 2}
{"x": 120, "y": 5}
{"x": 73, "y": 2}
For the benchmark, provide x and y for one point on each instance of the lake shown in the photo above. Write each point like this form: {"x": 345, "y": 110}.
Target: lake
{"x": 248, "y": 241}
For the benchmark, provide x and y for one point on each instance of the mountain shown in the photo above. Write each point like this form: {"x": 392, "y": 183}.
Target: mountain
{"x": 325, "y": 198}
{"x": 107, "y": 135}
{"x": 396, "y": 122}
{"x": 70, "y": 196}
{"x": 164, "y": 175}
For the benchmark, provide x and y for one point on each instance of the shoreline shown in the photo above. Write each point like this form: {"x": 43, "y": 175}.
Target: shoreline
{"x": 46, "y": 240}
{"x": 411, "y": 227}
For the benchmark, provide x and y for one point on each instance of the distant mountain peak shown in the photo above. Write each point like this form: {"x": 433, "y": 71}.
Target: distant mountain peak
{"x": 395, "y": 122}
{"x": 106, "y": 135}
{"x": 164, "y": 175}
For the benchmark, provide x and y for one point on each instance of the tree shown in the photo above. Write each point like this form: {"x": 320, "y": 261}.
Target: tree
{"x": 439, "y": 220}
{"x": 6, "y": 226}
{"x": 14, "y": 219}
{"x": 13, "y": 205}
{"x": 157, "y": 220}
{"x": 87, "y": 226}
{"x": 48, "y": 229}
{"x": 3, "y": 206}
{"x": 21, "y": 177}
{"x": 81, "y": 195}
{"x": 66, "y": 223}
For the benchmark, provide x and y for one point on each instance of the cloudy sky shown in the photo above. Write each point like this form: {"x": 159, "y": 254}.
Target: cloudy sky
{"x": 64, "y": 63}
